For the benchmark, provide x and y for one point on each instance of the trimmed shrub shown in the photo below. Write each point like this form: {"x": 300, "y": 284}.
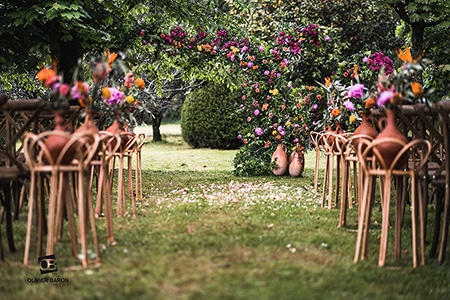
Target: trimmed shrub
{"x": 208, "y": 118}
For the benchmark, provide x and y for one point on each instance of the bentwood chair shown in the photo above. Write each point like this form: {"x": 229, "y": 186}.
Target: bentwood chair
{"x": 108, "y": 145}
{"x": 351, "y": 183}
{"x": 140, "y": 141}
{"x": 332, "y": 147}
{"x": 67, "y": 194}
{"x": 315, "y": 138}
{"x": 125, "y": 151}
{"x": 409, "y": 163}
{"x": 444, "y": 203}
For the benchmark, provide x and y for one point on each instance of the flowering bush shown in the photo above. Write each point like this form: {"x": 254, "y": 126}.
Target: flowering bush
{"x": 271, "y": 105}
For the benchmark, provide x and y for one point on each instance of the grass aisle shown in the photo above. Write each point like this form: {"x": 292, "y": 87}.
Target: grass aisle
{"x": 202, "y": 233}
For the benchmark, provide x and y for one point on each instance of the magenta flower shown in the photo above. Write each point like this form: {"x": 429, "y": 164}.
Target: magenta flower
{"x": 384, "y": 98}
{"x": 256, "y": 112}
{"x": 259, "y": 131}
{"x": 349, "y": 105}
{"x": 356, "y": 90}
{"x": 117, "y": 97}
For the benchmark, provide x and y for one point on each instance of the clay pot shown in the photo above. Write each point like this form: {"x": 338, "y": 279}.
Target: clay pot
{"x": 389, "y": 150}
{"x": 55, "y": 143}
{"x": 88, "y": 124}
{"x": 366, "y": 128}
{"x": 280, "y": 158}
{"x": 339, "y": 130}
{"x": 296, "y": 163}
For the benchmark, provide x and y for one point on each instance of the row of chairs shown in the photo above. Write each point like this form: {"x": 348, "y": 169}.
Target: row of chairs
{"x": 69, "y": 188}
{"x": 352, "y": 165}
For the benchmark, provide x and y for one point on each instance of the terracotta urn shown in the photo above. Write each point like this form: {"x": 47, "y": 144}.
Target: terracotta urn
{"x": 56, "y": 142}
{"x": 366, "y": 128}
{"x": 280, "y": 159}
{"x": 296, "y": 163}
{"x": 389, "y": 150}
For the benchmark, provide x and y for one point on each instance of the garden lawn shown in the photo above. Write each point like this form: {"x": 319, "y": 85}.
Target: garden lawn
{"x": 202, "y": 233}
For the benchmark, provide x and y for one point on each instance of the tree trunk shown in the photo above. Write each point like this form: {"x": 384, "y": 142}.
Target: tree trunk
{"x": 156, "y": 123}
{"x": 417, "y": 29}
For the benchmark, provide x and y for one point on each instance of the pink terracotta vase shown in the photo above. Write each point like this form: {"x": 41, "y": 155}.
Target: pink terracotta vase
{"x": 296, "y": 163}
{"x": 389, "y": 150}
{"x": 88, "y": 124}
{"x": 280, "y": 159}
{"x": 55, "y": 143}
{"x": 366, "y": 128}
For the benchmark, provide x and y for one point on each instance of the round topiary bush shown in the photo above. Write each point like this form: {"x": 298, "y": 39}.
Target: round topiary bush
{"x": 208, "y": 118}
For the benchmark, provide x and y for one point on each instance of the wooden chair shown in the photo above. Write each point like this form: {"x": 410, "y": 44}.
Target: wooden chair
{"x": 443, "y": 179}
{"x": 315, "y": 138}
{"x": 67, "y": 193}
{"x": 109, "y": 144}
{"x": 409, "y": 163}
{"x": 351, "y": 183}
{"x": 332, "y": 147}
{"x": 140, "y": 141}
{"x": 125, "y": 151}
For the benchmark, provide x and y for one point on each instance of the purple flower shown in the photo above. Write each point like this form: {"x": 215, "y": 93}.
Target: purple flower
{"x": 250, "y": 64}
{"x": 266, "y": 72}
{"x": 256, "y": 112}
{"x": 327, "y": 39}
{"x": 259, "y": 131}
{"x": 315, "y": 106}
{"x": 296, "y": 140}
{"x": 356, "y": 90}
{"x": 280, "y": 128}
{"x": 261, "y": 48}
{"x": 239, "y": 136}
{"x": 349, "y": 105}
{"x": 116, "y": 98}
{"x": 384, "y": 98}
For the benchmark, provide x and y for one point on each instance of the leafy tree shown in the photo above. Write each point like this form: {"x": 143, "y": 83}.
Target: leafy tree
{"x": 420, "y": 15}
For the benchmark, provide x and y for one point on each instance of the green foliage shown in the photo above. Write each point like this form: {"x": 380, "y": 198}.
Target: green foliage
{"x": 208, "y": 118}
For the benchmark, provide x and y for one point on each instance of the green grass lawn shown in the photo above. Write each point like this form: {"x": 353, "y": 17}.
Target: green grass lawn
{"x": 202, "y": 233}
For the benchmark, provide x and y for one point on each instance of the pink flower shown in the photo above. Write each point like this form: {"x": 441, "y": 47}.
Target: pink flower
{"x": 356, "y": 90}
{"x": 384, "y": 98}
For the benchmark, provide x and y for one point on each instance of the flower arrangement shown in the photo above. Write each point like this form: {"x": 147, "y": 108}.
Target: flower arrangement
{"x": 402, "y": 86}
{"x": 350, "y": 88}
{"x": 103, "y": 91}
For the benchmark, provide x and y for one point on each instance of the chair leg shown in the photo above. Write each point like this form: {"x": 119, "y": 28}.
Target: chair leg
{"x": 385, "y": 220}
{"x": 444, "y": 233}
{"x": 316, "y": 170}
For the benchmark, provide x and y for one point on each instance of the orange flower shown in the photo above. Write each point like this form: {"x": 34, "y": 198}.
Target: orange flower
{"x": 327, "y": 81}
{"x": 335, "y": 112}
{"x": 111, "y": 57}
{"x": 310, "y": 88}
{"x": 278, "y": 137}
{"x": 140, "y": 83}
{"x": 267, "y": 144}
{"x": 404, "y": 55}
{"x": 106, "y": 93}
{"x": 355, "y": 70}
{"x": 45, "y": 74}
{"x": 416, "y": 89}
{"x": 397, "y": 99}
{"x": 265, "y": 106}
{"x": 370, "y": 103}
